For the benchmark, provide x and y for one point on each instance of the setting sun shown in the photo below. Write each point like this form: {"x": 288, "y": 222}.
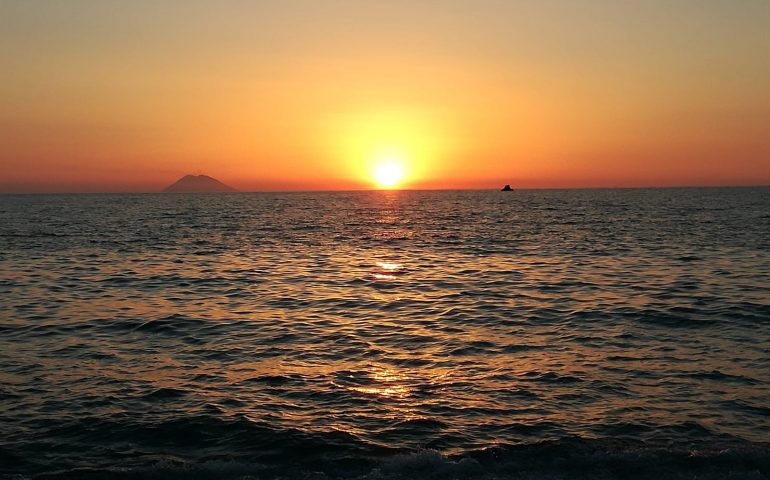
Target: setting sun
{"x": 388, "y": 174}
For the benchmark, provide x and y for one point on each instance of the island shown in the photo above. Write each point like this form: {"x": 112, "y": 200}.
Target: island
{"x": 198, "y": 184}
{"x": 506, "y": 188}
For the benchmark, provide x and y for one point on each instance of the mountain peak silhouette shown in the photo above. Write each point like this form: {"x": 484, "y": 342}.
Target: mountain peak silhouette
{"x": 197, "y": 184}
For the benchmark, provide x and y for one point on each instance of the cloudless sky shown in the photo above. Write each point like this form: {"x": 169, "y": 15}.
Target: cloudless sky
{"x": 281, "y": 95}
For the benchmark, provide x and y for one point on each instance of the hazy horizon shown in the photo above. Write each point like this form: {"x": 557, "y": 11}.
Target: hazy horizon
{"x": 375, "y": 189}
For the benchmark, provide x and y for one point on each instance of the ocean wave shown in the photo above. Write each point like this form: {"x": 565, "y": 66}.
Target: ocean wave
{"x": 570, "y": 458}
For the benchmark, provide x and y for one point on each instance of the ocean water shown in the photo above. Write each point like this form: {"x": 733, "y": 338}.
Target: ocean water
{"x": 386, "y": 335}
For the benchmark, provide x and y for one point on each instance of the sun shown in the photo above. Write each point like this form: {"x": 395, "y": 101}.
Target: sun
{"x": 388, "y": 174}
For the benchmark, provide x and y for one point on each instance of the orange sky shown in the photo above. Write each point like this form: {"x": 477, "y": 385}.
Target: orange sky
{"x": 129, "y": 96}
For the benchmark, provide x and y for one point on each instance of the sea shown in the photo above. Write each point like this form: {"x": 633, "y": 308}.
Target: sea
{"x": 386, "y": 335}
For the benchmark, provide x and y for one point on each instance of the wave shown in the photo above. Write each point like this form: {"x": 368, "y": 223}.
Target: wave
{"x": 568, "y": 458}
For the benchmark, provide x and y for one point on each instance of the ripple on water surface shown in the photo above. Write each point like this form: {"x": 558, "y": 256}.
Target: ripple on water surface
{"x": 358, "y": 326}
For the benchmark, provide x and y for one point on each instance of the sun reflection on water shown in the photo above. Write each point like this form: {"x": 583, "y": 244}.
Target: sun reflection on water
{"x": 388, "y": 270}
{"x": 399, "y": 391}
{"x": 382, "y": 276}
{"x": 389, "y": 266}
{"x": 381, "y": 382}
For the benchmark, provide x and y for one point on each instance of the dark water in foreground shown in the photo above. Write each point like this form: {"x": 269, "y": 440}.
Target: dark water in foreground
{"x": 533, "y": 334}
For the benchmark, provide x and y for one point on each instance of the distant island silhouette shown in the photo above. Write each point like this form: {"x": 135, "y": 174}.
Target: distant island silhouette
{"x": 198, "y": 184}
{"x": 506, "y": 188}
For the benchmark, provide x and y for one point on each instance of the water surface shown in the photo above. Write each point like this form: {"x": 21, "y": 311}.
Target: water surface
{"x": 386, "y": 334}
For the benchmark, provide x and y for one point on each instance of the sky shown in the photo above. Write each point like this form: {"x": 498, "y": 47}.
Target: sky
{"x": 322, "y": 95}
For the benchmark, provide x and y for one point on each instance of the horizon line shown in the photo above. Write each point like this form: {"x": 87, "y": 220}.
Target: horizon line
{"x": 150, "y": 192}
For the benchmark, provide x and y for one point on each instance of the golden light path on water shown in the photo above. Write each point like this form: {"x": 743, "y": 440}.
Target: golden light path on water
{"x": 389, "y": 271}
